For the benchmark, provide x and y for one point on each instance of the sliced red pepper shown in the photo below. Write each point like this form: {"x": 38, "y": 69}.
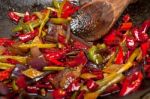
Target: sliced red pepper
{"x": 111, "y": 38}
{"x": 145, "y": 26}
{"x": 28, "y": 36}
{"x": 92, "y": 85}
{"x": 4, "y": 75}
{"x": 78, "y": 60}
{"x": 131, "y": 83}
{"x": 126, "y": 18}
{"x": 28, "y": 17}
{"x": 74, "y": 86}
{"x": 120, "y": 56}
{"x": 98, "y": 73}
{"x": 68, "y": 9}
{"x": 126, "y": 26}
{"x": 12, "y": 15}
{"x": 6, "y": 42}
{"x": 139, "y": 36}
{"x": 144, "y": 48}
{"x": 131, "y": 43}
{"x": 79, "y": 45}
{"x": 21, "y": 82}
{"x": 59, "y": 94}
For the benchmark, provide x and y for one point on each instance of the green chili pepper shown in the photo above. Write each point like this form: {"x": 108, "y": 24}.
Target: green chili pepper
{"x": 27, "y": 26}
{"x": 94, "y": 56}
{"x": 44, "y": 21}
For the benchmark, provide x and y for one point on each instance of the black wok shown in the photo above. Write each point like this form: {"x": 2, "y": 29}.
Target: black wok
{"x": 139, "y": 12}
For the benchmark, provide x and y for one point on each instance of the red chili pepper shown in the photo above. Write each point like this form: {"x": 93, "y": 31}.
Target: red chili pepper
{"x": 61, "y": 39}
{"x": 12, "y": 61}
{"x": 111, "y": 38}
{"x": 21, "y": 82}
{"x": 79, "y": 45}
{"x": 126, "y": 18}
{"x": 144, "y": 48}
{"x": 131, "y": 43}
{"x": 98, "y": 73}
{"x": 112, "y": 88}
{"x": 147, "y": 68}
{"x": 131, "y": 83}
{"x": 13, "y": 16}
{"x": 4, "y": 75}
{"x": 6, "y": 42}
{"x": 92, "y": 85}
{"x": 69, "y": 9}
{"x": 59, "y": 94}
{"x": 126, "y": 26}
{"x": 74, "y": 86}
{"x": 81, "y": 95}
{"x": 78, "y": 60}
{"x": 29, "y": 17}
{"x": 28, "y": 36}
{"x": 145, "y": 26}
{"x": 120, "y": 56}
{"x": 32, "y": 89}
{"x": 139, "y": 36}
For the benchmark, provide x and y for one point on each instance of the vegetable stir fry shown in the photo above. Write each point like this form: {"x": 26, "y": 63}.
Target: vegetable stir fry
{"x": 44, "y": 57}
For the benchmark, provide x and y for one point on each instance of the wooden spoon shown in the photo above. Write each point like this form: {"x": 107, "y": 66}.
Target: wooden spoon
{"x": 96, "y": 18}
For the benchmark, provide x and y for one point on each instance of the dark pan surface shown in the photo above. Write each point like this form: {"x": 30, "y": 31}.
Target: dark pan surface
{"x": 139, "y": 12}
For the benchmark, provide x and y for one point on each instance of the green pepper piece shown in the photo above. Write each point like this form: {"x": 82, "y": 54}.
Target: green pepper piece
{"x": 44, "y": 21}
{"x": 27, "y": 26}
{"x": 94, "y": 56}
{"x": 14, "y": 86}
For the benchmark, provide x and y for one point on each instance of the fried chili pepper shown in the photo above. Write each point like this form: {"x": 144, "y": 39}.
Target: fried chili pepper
{"x": 6, "y": 42}
{"x": 92, "y": 85}
{"x": 78, "y": 60}
{"x": 59, "y": 94}
{"x": 131, "y": 83}
{"x": 131, "y": 43}
{"x": 145, "y": 26}
{"x": 13, "y": 16}
{"x": 139, "y": 36}
{"x": 144, "y": 48}
{"x": 74, "y": 86}
{"x": 28, "y": 17}
{"x": 94, "y": 56}
{"x": 126, "y": 26}
{"x": 120, "y": 56}
{"x": 126, "y": 18}
{"x": 4, "y": 75}
{"x": 68, "y": 9}
{"x": 28, "y": 36}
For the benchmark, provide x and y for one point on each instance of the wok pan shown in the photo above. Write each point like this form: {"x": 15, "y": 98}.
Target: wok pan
{"x": 139, "y": 12}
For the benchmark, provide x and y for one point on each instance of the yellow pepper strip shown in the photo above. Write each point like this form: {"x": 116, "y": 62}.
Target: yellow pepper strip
{"x": 60, "y": 20}
{"x": 53, "y": 68}
{"x": 25, "y": 46}
{"x": 44, "y": 21}
{"x": 5, "y": 65}
{"x": 18, "y": 58}
{"x": 87, "y": 76}
{"x": 94, "y": 95}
